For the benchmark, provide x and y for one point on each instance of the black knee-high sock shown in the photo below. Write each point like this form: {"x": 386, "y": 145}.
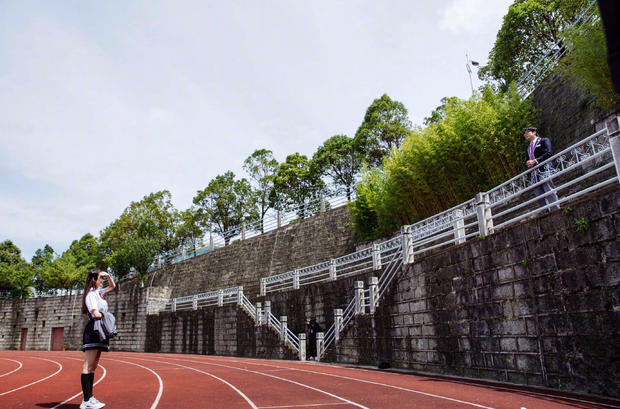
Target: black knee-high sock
{"x": 86, "y": 390}
{"x": 91, "y": 378}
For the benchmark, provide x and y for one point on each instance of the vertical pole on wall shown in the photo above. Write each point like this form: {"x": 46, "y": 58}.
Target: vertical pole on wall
{"x": 302, "y": 347}
{"x": 459, "y": 226}
{"x": 210, "y": 241}
{"x": 319, "y": 345}
{"x": 613, "y": 130}
{"x": 373, "y": 294}
{"x": 158, "y": 261}
{"x": 359, "y": 298}
{"x": 267, "y": 313}
{"x": 240, "y": 295}
{"x": 405, "y": 232}
{"x": 258, "y": 318}
{"x": 322, "y": 204}
{"x": 376, "y": 257}
{"x": 283, "y": 325}
{"x": 263, "y": 286}
{"x": 220, "y": 298}
{"x": 195, "y": 302}
{"x": 337, "y": 323}
{"x": 296, "y": 279}
{"x": 483, "y": 211}
{"x": 174, "y": 304}
{"x": 243, "y": 231}
{"x": 279, "y": 216}
{"x": 332, "y": 269}
{"x": 183, "y": 253}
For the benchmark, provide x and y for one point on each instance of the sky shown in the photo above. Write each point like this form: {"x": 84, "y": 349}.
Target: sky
{"x": 102, "y": 103}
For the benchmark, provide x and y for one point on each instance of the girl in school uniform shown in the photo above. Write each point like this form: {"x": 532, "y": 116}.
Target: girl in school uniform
{"x": 95, "y": 305}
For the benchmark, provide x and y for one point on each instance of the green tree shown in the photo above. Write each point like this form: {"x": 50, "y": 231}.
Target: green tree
{"x": 529, "y": 29}
{"x": 384, "y": 127}
{"x": 64, "y": 272}
{"x": 261, "y": 167}
{"x": 585, "y": 65}
{"x": 153, "y": 219}
{"x": 475, "y": 145}
{"x": 189, "y": 229}
{"x": 87, "y": 252}
{"x": 339, "y": 159}
{"x": 298, "y": 183}
{"x": 226, "y": 204}
{"x": 16, "y": 275}
{"x": 41, "y": 258}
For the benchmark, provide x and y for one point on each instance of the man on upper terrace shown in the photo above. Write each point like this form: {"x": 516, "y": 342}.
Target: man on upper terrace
{"x": 539, "y": 150}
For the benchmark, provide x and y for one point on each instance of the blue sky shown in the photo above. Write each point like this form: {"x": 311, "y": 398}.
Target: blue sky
{"x": 102, "y": 103}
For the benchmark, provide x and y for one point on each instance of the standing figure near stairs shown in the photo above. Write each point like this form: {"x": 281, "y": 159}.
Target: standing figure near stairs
{"x": 312, "y": 328}
{"x": 539, "y": 150}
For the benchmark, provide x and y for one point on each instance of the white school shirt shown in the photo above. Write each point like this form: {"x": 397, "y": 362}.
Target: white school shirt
{"x": 94, "y": 301}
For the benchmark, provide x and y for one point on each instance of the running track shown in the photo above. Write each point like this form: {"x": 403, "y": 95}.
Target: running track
{"x": 43, "y": 379}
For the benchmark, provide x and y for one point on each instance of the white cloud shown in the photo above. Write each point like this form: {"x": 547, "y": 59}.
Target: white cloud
{"x": 472, "y": 15}
{"x": 102, "y": 105}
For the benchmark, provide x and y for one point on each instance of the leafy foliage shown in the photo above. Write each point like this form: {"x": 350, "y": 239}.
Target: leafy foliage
{"x": 261, "y": 167}
{"x": 225, "y": 204}
{"x": 472, "y": 146}
{"x": 529, "y": 28}
{"x": 64, "y": 272}
{"x": 384, "y": 127}
{"x": 586, "y": 65}
{"x": 150, "y": 222}
{"x": 16, "y": 275}
{"x": 339, "y": 159}
{"x": 189, "y": 230}
{"x": 297, "y": 182}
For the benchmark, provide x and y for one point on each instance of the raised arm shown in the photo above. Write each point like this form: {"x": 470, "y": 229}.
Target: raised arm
{"x": 111, "y": 285}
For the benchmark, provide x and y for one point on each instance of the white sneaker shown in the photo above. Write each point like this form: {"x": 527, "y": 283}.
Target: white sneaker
{"x": 87, "y": 404}
{"x": 96, "y": 404}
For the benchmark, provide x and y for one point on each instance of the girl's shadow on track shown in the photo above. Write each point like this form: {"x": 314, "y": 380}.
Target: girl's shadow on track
{"x": 64, "y": 406}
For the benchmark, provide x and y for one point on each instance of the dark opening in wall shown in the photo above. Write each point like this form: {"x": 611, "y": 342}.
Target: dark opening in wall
{"x": 43, "y": 324}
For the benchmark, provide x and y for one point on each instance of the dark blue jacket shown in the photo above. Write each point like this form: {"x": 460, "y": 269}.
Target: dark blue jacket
{"x": 542, "y": 150}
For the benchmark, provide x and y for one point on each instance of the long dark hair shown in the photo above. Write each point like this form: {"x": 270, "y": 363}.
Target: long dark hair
{"x": 91, "y": 282}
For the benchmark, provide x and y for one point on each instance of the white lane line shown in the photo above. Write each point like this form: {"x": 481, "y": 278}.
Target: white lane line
{"x": 305, "y": 406}
{"x": 476, "y": 405}
{"x": 80, "y": 393}
{"x": 506, "y": 388}
{"x": 14, "y": 370}
{"x": 248, "y": 400}
{"x": 40, "y": 380}
{"x": 280, "y": 378}
{"x": 161, "y": 384}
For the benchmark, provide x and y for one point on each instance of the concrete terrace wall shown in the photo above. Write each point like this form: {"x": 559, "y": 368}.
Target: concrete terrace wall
{"x": 40, "y": 315}
{"x": 315, "y": 239}
{"x": 538, "y": 304}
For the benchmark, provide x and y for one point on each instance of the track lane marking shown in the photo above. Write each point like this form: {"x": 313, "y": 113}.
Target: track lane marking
{"x": 248, "y": 400}
{"x": 304, "y": 406}
{"x": 40, "y": 380}
{"x": 161, "y": 383}
{"x": 282, "y": 379}
{"x": 14, "y": 370}
{"x": 105, "y": 372}
{"x": 454, "y": 381}
{"x": 379, "y": 384}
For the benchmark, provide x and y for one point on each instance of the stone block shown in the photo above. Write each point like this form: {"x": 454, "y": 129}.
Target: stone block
{"x": 528, "y": 363}
{"x": 508, "y": 344}
{"x": 505, "y": 274}
{"x": 527, "y": 344}
{"x": 503, "y": 292}
{"x": 514, "y": 327}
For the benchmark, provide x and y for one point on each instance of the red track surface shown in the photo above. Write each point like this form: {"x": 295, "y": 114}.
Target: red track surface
{"x": 39, "y": 379}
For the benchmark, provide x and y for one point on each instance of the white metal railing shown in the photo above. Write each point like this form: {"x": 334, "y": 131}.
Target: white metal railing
{"x": 576, "y": 171}
{"x": 272, "y": 220}
{"x": 538, "y": 71}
